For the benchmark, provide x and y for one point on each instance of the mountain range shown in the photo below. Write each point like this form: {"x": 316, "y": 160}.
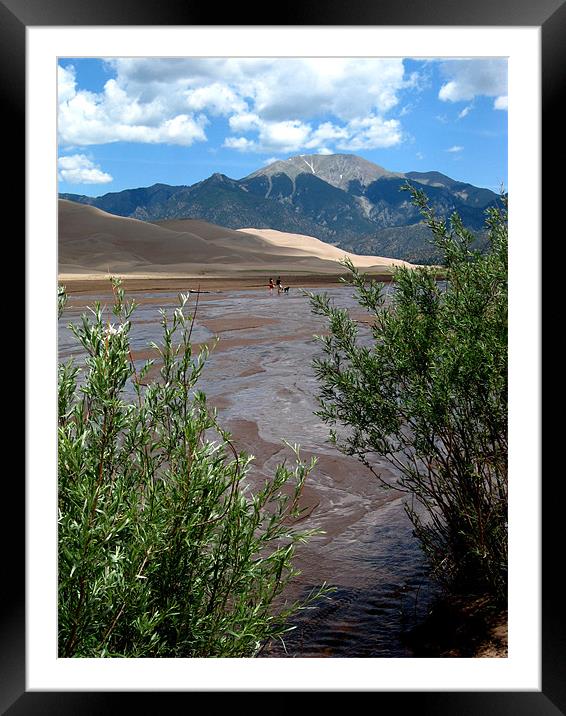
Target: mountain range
{"x": 341, "y": 199}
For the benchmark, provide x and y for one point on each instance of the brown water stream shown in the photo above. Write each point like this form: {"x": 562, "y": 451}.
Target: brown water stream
{"x": 261, "y": 380}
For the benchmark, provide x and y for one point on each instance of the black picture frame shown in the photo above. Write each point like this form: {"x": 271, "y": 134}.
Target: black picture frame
{"x": 15, "y": 17}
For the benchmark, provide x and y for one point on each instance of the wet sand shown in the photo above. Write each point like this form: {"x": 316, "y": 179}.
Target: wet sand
{"x": 101, "y": 286}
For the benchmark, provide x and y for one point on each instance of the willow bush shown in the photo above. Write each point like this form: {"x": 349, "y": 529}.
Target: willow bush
{"x": 428, "y": 392}
{"x": 163, "y": 549}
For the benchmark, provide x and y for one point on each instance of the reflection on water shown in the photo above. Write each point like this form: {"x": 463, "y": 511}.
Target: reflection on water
{"x": 261, "y": 380}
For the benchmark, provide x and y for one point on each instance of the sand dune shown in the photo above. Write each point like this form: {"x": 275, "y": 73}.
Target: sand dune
{"x": 298, "y": 244}
{"x": 93, "y": 243}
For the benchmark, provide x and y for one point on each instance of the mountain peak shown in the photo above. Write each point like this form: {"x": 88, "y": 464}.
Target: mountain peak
{"x": 432, "y": 179}
{"x": 216, "y": 179}
{"x": 336, "y": 169}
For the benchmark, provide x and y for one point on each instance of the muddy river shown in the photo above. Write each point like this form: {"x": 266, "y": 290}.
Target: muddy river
{"x": 260, "y": 378}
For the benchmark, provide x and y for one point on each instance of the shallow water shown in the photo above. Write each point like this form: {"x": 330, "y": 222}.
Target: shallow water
{"x": 261, "y": 380}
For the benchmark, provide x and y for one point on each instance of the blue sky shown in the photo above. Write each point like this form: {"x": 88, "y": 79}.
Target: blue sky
{"x": 133, "y": 122}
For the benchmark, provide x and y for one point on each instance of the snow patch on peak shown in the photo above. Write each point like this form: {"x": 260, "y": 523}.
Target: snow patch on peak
{"x": 310, "y": 166}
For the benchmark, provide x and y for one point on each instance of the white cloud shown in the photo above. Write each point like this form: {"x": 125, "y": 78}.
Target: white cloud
{"x": 465, "y": 112}
{"x": 244, "y": 122}
{"x": 113, "y": 115}
{"x": 372, "y": 133}
{"x": 344, "y": 88}
{"x": 241, "y": 143}
{"x": 216, "y": 98}
{"x": 79, "y": 169}
{"x": 501, "y": 102}
{"x": 293, "y": 135}
{"x": 419, "y": 155}
{"x": 286, "y": 136}
{"x": 66, "y": 83}
{"x": 455, "y": 149}
{"x": 467, "y": 79}
{"x": 277, "y": 99}
{"x": 328, "y": 132}
{"x": 449, "y": 92}
{"x": 277, "y": 89}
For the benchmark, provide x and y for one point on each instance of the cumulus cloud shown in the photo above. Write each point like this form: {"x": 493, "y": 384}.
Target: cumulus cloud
{"x": 286, "y": 136}
{"x": 372, "y": 133}
{"x": 293, "y": 135}
{"x": 217, "y": 98}
{"x": 283, "y": 103}
{"x": 345, "y": 88}
{"x": 328, "y": 132}
{"x": 114, "y": 115}
{"x": 241, "y": 143}
{"x": 66, "y": 83}
{"x": 276, "y": 89}
{"x": 244, "y": 122}
{"x": 467, "y": 79}
{"x": 79, "y": 169}
{"x": 465, "y": 112}
{"x": 501, "y": 102}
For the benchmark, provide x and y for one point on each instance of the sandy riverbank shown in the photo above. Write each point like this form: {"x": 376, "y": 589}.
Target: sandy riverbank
{"x": 95, "y": 283}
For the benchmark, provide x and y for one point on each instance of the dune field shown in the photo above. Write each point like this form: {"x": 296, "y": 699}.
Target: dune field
{"x": 93, "y": 244}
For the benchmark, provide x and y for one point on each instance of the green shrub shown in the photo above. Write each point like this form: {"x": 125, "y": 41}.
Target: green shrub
{"x": 428, "y": 393}
{"x": 164, "y": 548}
